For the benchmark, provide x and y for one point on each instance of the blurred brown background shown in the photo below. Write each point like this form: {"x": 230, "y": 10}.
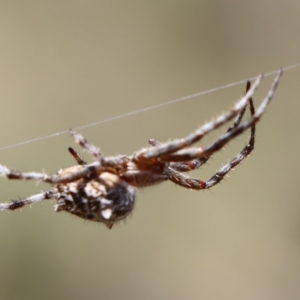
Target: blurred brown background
{"x": 70, "y": 63}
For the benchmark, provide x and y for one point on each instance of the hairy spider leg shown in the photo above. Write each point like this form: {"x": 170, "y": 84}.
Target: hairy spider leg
{"x": 53, "y": 179}
{"x": 90, "y": 148}
{"x": 164, "y": 151}
{"x": 26, "y": 201}
{"x": 102, "y": 161}
{"x": 196, "y": 184}
{"x": 193, "y": 153}
{"x": 187, "y": 166}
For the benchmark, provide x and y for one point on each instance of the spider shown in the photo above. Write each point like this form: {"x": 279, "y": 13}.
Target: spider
{"x": 103, "y": 191}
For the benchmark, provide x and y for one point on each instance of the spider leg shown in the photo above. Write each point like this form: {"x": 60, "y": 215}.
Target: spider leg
{"x": 219, "y": 175}
{"x": 92, "y": 149}
{"x": 79, "y": 160}
{"x": 184, "y": 166}
{"x": 13, "y": 174}
{"x": 187, "y": 166}
{"x": 193, "y": 153}
{"x": 165, "y": 150}
{"x": 112, "y": 161}
{"x": 239, "y": 117}
{"x": 26, "y": 201}
{"x": 70, "y": 174}
{"x": 196, "y": 184}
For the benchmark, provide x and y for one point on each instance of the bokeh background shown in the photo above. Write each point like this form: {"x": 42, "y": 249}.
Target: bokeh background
{"x": 70, "y": 63}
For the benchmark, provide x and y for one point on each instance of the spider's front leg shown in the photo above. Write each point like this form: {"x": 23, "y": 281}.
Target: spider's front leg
{"x": 189, "y": 154}
{"x": 170, "y": 151}
{"x": 187, "y": 166}
{"x": 196, "y": 184}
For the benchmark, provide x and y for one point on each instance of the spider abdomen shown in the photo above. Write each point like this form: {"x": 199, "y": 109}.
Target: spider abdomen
{"x": 103, "y": 198}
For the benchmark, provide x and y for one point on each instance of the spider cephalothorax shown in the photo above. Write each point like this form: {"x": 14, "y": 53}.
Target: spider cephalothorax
{"x": 103, "y": 191}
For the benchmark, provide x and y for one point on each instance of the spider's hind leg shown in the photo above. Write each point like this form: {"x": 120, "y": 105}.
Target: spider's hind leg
{"x": 175, "y": 150}
{"x": 15, "y": 204}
